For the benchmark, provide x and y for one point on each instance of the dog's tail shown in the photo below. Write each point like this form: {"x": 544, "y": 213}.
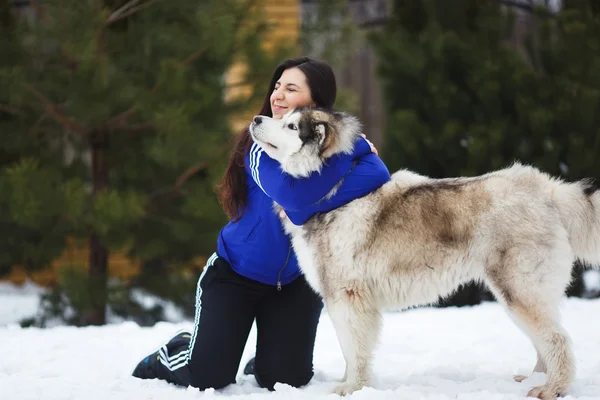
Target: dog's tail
{"x": 579, "y": 206}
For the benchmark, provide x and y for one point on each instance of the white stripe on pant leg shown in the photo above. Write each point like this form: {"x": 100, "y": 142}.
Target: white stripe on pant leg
{"x": 180, "y": 359}
{"x": 209, "y": 264}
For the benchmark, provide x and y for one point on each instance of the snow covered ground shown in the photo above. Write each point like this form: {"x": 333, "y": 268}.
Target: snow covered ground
{"x": 428, "y": 353}
{"x": 17, "y": 302}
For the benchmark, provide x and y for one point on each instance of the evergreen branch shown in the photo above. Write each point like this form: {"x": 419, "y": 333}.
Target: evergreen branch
{"x": 193, "y": 170}
{"x": 239, "y": 20}
{"x": 120, "y": 11}
{"x": 36, "y": 125}
{"x": 115, "y": 121}
{"x": 528, "y": 8}
{"x": 175, "y": 191}
{"x": 11, "y": 110}
{"x": 134, "y": 127}
{"x": 194, "y": 56}
{"x": 59, "y": 116}
{"x": 71, "y": 61}
{"x": 43, "y": 17}
{"x": 119, "y": 119}
{"x": 127, "y": 10}
{"x": 134, "y": 10}
{"x": 189, "y": 173}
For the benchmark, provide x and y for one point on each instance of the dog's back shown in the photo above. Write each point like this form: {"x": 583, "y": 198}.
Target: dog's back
{"x": 415, "y": 239}
{"x": 518, "y": 230}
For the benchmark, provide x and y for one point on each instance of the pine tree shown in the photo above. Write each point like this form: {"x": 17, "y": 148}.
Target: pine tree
{"x": 125, "y": 106}
{"x": 463, "y": 100}
{"x": 30, "y": 198}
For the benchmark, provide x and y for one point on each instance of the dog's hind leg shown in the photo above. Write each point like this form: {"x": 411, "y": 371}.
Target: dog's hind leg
{"x": 554, "y": 348}
{"x": 532, "y": 300}
{"x": 357, "y": 326}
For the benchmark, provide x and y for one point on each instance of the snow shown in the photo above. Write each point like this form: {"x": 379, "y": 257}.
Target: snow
{"x": 591, "y": 279}
{"x": 17, "y": 302}
{"x": 425, "y": 353}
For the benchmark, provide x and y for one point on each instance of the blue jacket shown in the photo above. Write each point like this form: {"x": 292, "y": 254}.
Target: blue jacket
{"x": 256, "y": 246}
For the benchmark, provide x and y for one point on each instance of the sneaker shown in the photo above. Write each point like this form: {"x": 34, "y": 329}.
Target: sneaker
{"x": 146, "y": 369}
{"x": 149, "y": 366}
{"x": 181, "y": 338}
{"x": 249, "y": 368}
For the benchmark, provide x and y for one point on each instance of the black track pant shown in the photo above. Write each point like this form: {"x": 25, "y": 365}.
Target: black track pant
{"x": 226, "y": 306}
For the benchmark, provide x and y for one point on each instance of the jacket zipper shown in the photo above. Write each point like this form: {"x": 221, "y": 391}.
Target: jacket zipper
{"x": 281, "y": 270}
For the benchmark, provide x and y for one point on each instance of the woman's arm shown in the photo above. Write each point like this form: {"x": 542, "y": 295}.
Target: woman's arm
{"x": 369, "y": 174}
{"x": 298, "y": 193}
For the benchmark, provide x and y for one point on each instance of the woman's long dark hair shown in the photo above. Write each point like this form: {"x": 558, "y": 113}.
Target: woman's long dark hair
{"x": 232, "y": 190}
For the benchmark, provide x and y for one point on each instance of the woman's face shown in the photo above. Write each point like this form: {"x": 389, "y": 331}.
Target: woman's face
{"x": 291, "y": 91}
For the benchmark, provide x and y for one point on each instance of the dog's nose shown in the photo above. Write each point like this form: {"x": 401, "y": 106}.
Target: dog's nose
{"x": 257, "y": 120}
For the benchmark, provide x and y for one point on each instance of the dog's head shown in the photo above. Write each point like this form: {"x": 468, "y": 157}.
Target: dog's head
{"x": 305, "y": 137}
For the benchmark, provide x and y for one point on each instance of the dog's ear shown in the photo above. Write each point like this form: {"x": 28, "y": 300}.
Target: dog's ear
{"x": 309, "y": 132}
{"x": 311, "y": 129}
{"x": 315, "y": 131}
{"x": 321, "y": 129}
{"x": 306, "y": 131}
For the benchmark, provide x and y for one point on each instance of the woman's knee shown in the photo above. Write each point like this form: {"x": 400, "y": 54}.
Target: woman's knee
{"x": 293, "y": 378}
{"x": 211, "y": 382}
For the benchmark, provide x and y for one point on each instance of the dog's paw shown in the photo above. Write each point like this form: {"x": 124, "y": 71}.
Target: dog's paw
{"x": 520, "y": 378}
{"x": 544, "y": 392}
{"x": 347, "y": 388}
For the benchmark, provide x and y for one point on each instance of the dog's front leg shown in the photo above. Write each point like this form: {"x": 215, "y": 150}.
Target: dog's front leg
{"x": 330, "y": 307}
{"x": 357, "y": 328}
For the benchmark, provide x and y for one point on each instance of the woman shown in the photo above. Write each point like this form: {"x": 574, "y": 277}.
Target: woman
{"x": 254, "y": 275}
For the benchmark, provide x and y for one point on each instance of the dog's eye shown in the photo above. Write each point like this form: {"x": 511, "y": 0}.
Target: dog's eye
{"x": 292, "y": 127}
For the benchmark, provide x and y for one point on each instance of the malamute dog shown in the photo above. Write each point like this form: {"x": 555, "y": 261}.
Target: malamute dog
{"x": 518, "y": 230}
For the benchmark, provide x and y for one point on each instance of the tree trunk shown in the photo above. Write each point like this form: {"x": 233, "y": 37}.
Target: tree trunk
{"x": 98, "y": 262}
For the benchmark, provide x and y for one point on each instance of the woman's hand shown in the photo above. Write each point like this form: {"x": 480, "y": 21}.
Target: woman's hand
{"x": 373, "y": 149}
{"x": 283, "y": 215}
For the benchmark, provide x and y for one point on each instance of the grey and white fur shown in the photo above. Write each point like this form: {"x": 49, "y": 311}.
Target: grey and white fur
{"x": 517, "y": 230}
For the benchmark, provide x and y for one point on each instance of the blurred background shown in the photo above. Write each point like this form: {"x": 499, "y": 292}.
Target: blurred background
{"x": 117, "y": 118}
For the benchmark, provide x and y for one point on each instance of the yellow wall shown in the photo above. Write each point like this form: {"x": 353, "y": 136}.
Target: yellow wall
{"x": 284, "y": 15}
{"x": 76, "y": 255}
